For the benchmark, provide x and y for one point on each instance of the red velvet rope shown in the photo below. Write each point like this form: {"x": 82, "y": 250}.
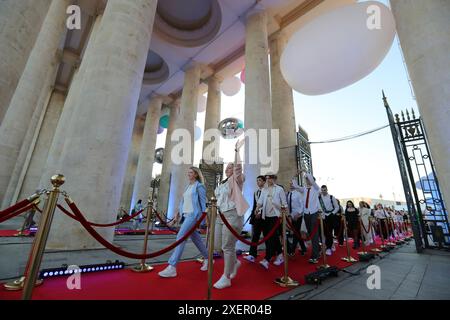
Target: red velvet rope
{"x": 370, "y": 226}
{"x": 16, "y": 213}
{"x": 298, "y": 235}
{"x": 124, "y": 253}
{"x": 163, "y": 222}
{"x": 100, "y": 224}
{"x": 238, "y": 236}
{"x": 14, "y": 208}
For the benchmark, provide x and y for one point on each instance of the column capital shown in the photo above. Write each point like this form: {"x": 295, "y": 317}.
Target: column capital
{"x": 256, "y": 9}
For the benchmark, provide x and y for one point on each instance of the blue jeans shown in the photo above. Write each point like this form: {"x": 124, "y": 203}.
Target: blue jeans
{"x": 189, "y": 221}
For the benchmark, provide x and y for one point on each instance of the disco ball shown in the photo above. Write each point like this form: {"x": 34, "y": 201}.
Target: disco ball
{"x": 231, "y": 128}
{"x": 159, "y": 155}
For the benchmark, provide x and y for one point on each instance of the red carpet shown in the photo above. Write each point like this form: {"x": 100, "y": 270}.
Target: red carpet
{"x": 13, "y": 233}
{"x": 252, "y": 282}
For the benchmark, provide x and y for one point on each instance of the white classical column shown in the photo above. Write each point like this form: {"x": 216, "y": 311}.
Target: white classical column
{"x": 20, "y": 22}
{"x": 54, "y": 154}
{"x": 258, "y": 109}
{"x": 38, "y": 74}
{"x": 133, "y": 158}
{"x": 212, "y": 116}
{"x": 166, "y": 172}
{"x": 283, "y": 113}
{"x": 147, "y": 153}
{"x": 186, "y": 122}
{"x": 96, "y": 146}
{"x": 423, "y": 28}
{"x": 38, "y": 154}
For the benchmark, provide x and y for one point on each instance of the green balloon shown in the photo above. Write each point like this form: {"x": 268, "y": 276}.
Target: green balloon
{"x": 240, "y": 124}
{"x": 164, "y": 121}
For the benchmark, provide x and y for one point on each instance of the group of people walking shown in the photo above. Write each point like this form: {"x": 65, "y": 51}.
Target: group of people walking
{"x": 304, "y": 204}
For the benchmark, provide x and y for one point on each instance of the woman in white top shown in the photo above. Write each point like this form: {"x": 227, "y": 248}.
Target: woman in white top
{"x": 382, "y": 216}
{"x": 192, "y": 205}
{"x": 364, "y": 212}
{"x": 232, "y": 206}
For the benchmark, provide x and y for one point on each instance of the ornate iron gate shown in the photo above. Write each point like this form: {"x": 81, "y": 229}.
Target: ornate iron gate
{"x": 427, "y": 211}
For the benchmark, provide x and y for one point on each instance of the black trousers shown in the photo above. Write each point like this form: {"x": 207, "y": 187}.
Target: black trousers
{"x": 332, "y": 226}
{"x": 257, "y": 230}
{"x": 295, "y": 241}
{"x": 273, "y": 244}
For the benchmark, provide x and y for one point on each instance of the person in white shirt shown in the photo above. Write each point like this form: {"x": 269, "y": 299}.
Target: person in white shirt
{"x": 255, "y": 220}
{"x": 295, "y": 209}
{"x": 232, "y": 206}
{"x": 330, "y": 208}
{"x": 310, "y": 197}
{"x": 191, "y": 207}
{"x": 271, "y": 200}
{"x": 381, "y": 215}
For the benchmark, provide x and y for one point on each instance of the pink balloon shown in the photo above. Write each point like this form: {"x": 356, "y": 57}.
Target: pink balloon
{"x": 243, "y": 75}
{"x": 160, "y": 130}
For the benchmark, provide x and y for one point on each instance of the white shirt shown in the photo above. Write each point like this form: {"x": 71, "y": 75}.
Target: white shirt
{"x": 222, "y": 193}
{"x": 313, "y": 198}
{"x": 381, "y": 214}
{"x": 188, "y": 207}
{"x": 330, "y": 203}
{"x": 271, "y": 200}
{"x": 295, "y": 203}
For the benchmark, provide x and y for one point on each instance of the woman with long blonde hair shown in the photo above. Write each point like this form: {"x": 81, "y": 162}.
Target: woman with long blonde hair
{"x": 192, "y": 205}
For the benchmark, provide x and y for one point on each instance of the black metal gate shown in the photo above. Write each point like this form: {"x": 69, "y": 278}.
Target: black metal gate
{"x": 427, "y": 211}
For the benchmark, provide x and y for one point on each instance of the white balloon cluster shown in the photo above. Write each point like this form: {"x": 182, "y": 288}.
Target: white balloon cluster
{"x": 338, "y": 48}
{"x": 231, "y": 86}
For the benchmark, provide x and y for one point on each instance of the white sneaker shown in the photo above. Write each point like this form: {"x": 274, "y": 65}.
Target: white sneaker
{"x": 328, "y": 252}
{"x": 333, "y": 248}
{"x": 279, "y": 260}
{"x": 223, "y": 282}
{"x": 235, "y": 270}
{"x": 265, "y": 264}
{"x": 169, "y": 272}
{"x": 250, "y": 258}
{"x": 204, "y": 266}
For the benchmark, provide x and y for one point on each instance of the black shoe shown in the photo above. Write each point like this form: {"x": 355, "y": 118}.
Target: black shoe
{"x": 302, "y": 253}
{"x": 313, "y": 261}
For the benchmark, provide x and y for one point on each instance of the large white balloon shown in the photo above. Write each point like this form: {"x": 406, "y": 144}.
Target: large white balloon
{"x": 231, "y": 86}
{"x": 197, "y": 133}
{"x": 338, "y": 48}
{"x": 201, "y": 105}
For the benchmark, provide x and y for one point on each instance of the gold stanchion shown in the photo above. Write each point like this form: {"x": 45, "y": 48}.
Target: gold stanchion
{"x": 31, "y": 274}
{"x": 143, "y": 267}
{"x": 376, "y": 250}
{"x": 212, "y": 224}
{"x": 348, "y": 258}
{"x": 322, "y": 234}
{"x": 285, "y": 280}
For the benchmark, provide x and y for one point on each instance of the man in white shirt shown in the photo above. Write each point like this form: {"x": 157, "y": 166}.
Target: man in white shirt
{"x": 295, "y": 209}
{"x": 310, "y": 197}
{"x": 271, "y": 200}
{"x": 330, "y": 208}
{"x": 256, "y": 220}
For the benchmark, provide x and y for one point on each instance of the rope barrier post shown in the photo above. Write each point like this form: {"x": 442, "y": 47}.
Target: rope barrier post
{"x": 348, "y": 258}
{"x": 212, "y": 223}
{"x": 285, "y": 281}
{"x": 376, "y": 250}
{"x": 143, "y": 267}
{"x": 322, "y": 234}
{"x": 31, "y": 273}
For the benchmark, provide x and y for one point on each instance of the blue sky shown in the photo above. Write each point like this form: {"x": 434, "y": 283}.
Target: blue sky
{"x": 361, "y": 167}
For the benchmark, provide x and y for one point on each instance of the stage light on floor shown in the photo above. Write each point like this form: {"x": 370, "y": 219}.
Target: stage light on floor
{"x": 64, "y": 270}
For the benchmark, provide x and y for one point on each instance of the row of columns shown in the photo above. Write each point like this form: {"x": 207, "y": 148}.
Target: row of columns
{"x": 91, "y": 143}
